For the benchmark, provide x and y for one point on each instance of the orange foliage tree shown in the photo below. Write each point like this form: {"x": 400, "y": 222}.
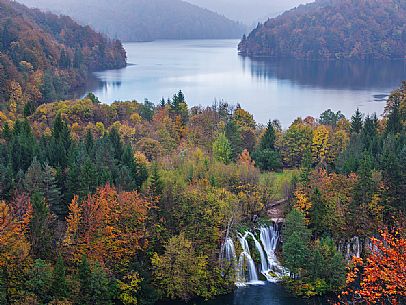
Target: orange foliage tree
{"x": 108, "y": 227}
{"x": 380, "y": 278}
{"x": 14, "y": 247}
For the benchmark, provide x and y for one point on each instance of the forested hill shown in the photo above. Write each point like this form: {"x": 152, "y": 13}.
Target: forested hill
{"x": 44, "y": 57}
{"x": 144, "y": 20}
{"x": 333, "y": 29}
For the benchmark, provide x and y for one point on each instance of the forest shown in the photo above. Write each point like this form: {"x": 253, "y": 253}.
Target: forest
{"x": 129, "y": 203}
{"x": 332, "y": 29}
{"x": 45, "y": 58}
{"x": 146, "y": 20}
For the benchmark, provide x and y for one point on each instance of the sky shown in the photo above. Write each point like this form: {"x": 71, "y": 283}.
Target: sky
{"x": 249, "y": 11}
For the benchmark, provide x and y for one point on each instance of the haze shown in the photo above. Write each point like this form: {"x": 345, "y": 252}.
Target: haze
{"x": 249, "y": 11}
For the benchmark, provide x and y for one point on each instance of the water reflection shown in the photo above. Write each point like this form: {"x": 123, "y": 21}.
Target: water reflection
{"x": 206, "y": 70}
{"x": 269, "y": 294}
{"x": 349, "y": 75}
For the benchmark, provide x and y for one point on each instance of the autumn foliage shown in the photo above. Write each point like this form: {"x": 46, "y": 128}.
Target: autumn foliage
{"x": 381, "y": 277}
{"x": 108, "y": 227}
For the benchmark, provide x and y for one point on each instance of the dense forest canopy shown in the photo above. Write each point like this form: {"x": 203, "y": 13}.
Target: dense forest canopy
{"x": 333, "y": 29}
{"x": 145, "y": 20}
{"x": 44, "y": 57}
{"x": 129, "y": 203}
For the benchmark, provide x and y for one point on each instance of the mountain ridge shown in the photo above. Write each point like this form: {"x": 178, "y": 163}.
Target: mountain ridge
{"x": 146, "y": 20}
{"x": 333, "y": 29}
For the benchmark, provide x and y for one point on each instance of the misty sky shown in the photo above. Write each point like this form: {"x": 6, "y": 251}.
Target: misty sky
{"x": 249, "y": 11}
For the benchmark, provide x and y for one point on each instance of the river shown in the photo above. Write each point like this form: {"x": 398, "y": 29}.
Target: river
{"x": 209, "y": 70}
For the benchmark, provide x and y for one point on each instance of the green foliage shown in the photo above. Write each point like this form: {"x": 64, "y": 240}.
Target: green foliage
{"x": 327, "y": 30}
{"x": 41, "y": 235}
{"x": 356, "y": 122}
{"x": 40, "y": 280}
{"x": 330, "y": 118}
{"x": 222, "y": 150}
{"x": 59, "y": 286}
{"x": 296, "y": 242}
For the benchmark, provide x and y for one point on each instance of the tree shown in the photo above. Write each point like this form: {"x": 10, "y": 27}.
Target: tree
{"x": 330, "y": 118}
{"x": 52, "y": 192}
{"x": 40, "y": 279}
{"x": 266, "y": 156}
{"x": 34, "y": 180}
{"x": 321, "y": 145}
{"x": 269, "y": 138}
{"x": 222, "y": 150}
{"x": 179, "y": 269}
{"x": 233, "y": 134}
{"x": 59, "y": 286}
{"x": 356, "y": 122}
{"x": 108, "y": 226}
{"x": 381, "y": 277}
{"x": 155, "y": 181}
{"x": 296, "y": 238}
{"x": 41, "y": 233}
{"x": 85, "y": 282}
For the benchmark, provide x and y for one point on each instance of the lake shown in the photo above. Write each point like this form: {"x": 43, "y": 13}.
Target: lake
{"x": 209, "y": 70}
{"x": 268, "y": 294}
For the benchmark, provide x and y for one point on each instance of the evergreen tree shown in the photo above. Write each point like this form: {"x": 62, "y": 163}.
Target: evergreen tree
{"x": 51, "y": 191}
{"x": 40, "y": 278}
{"x": 85, "y": 281}
{"x": 41, "y": 233}
{"x": 269, "y": 138}
{"x": 318, "y": 213}
{"x": 116, "y": 144}
{"x": 365, "y": 186}
{"x": 265, "y": 156}
{"x": 34, "y": 178}
{"x": 356, "y": 122}
{"x": 59, "y": 286}
{"x": 156, "y": 184}
{"x": 233, "y": 134}
{"x": 102, "y": 289}
{"x": 296, "y": 238}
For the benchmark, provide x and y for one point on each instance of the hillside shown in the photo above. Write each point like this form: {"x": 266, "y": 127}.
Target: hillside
{"x": 333, "y": 29}
{"x": 144, "y": 20}
{"x": 44, "y": 57}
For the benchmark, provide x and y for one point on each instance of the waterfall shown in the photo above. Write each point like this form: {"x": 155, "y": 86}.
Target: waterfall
{"x": 258, "y": 246}
{"x": 351, "y": 248}
{"x": 246, "y": 260}
{"x": 245, "y": 269}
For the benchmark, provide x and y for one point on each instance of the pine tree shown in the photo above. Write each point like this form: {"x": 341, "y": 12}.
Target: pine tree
{"x": 266, "y": 157}
{"x": 39, "y": 282}
{"x": 41, "y": 238}
{"x": 269, "y": 138}
{"x": 233, "y": 134}
{"x": 365, "y": 186}
{"x": 85, "y": 281}
{"x": 156, "y": 185}
{"x": 34, "y": 178}
{"x": 51, "y": 191}
{"x": 356, "y": 122}
{"x": 59, "y": 286}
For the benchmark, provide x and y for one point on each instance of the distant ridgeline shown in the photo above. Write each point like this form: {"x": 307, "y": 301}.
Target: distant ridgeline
{"x": 44, "y": 57}
{"x": 333, "y": 29}
{"x": 146, "y": 20}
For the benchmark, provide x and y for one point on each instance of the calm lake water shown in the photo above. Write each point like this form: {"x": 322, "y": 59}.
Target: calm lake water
{"x": 268, "y": 294}
{"x": 209, "y": 70}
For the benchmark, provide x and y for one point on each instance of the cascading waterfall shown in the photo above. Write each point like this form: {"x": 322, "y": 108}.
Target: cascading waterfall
{"x": 351, "y": 248}
{"x": 245, "y": 269}
{"x": 246, "y": 260}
